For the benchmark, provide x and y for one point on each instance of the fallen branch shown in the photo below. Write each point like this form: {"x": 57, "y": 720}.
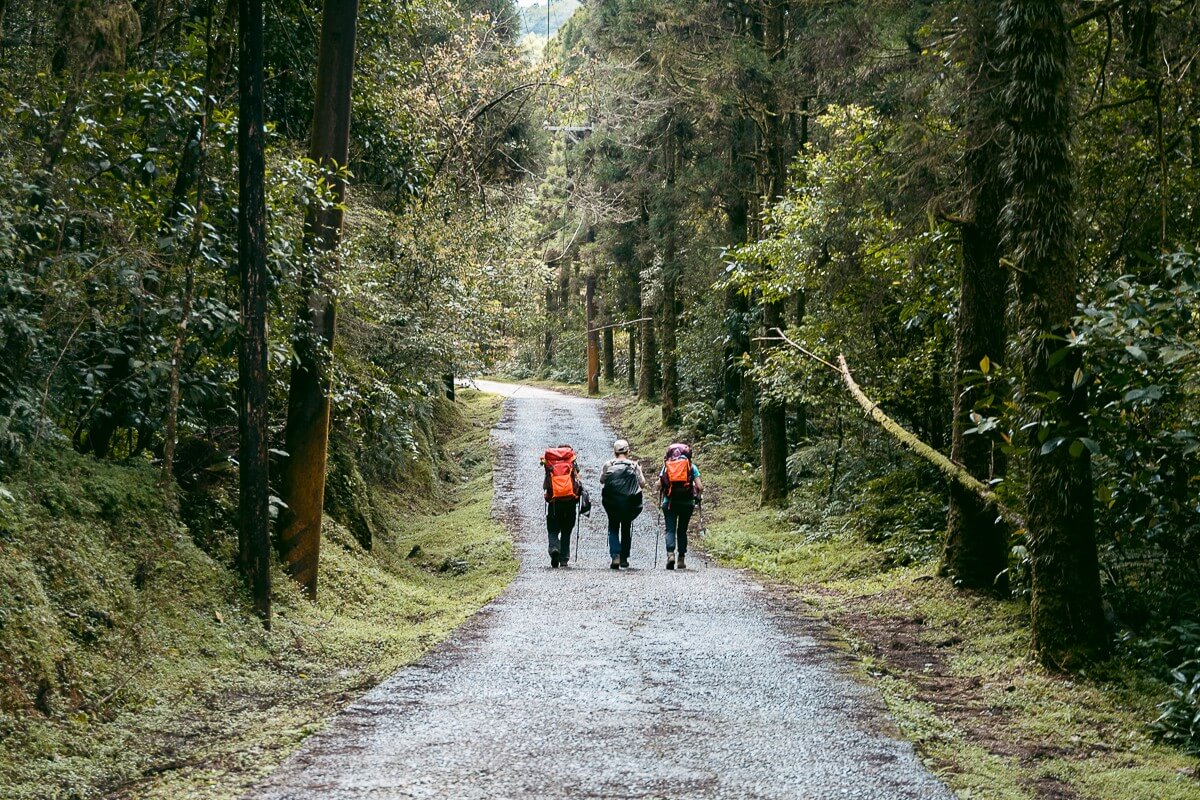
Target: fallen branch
{"x": 909, "y": 440}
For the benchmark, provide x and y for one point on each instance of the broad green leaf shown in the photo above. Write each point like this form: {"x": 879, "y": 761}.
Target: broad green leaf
{"x": 1052, "y": 445}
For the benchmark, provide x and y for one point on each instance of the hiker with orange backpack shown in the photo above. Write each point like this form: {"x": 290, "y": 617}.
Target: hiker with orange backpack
{"x": 680, "y": 491}
{"x": 621, "y": 482}
{"x": 563, "y": 491}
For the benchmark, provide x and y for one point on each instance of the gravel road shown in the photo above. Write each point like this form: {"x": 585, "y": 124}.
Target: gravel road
{"x": 588, "y": 683}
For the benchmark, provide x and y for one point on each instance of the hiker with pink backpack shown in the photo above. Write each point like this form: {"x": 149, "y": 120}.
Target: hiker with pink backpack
{"x": 680, "y": 491}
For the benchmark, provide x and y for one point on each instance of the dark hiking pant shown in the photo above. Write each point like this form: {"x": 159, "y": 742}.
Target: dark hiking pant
{"x": 560, "y": 522}
{"x": 677, "y": 521}
{"x": 620, "y": 536}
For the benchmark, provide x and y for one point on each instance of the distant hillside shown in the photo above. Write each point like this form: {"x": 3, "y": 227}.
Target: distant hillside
{"x": 533, "y": 18}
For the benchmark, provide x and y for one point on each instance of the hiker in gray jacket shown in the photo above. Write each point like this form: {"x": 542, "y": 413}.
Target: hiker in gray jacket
{"x": 621, "y": 483}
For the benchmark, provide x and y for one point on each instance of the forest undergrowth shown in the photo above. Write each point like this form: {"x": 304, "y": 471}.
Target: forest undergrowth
{"x": 132, "y": 665}
{"x": 955, "y": 668}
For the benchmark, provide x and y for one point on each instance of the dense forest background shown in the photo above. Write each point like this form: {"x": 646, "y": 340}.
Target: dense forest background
{"x": 989, "y": 209}
{"x": 119, "y": 307}
{"x": 127, "y": 180}
{"x": 982, "y": 215}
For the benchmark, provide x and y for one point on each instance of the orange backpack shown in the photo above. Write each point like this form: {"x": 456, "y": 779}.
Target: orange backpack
{"x": 560, "y": 483}
{"x": 678, "y": 476}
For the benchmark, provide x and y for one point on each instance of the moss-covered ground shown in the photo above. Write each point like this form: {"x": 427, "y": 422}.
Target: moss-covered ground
{"x": 129, "y": 664}
{"x": 954, "y": 668}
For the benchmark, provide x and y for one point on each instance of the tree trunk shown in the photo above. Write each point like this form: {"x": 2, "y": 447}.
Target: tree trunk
{"x": 633, "y": 378}
{"x": 610, "y": 357}
{"x": 773, "y": 416}
{"x": 670, "y": 364}
{"x": 774, "y": 158}
{"x": 647, "y": 381}
{"x": 564, "y": 284}
{"x": 737, "y": 306}
{"x": 670, "y": 299}
{"x": 737, "y": 345}
{"x": 976, "y": 552}
{"x": 302, "y": 482}
{"x": 551, "y": 322}
{"x": 798, "y": 427}
{"x": 593, "y": 336}
{"x": 254, "y": 541}
{"x": 748, "y": 404}
{"x": 1067, "y": 620}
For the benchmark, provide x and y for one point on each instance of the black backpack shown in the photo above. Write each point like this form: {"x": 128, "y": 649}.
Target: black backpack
{"x": 622, "y": 493}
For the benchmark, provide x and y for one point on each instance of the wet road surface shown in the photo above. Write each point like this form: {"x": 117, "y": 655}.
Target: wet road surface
{"x": 590, "y": 683}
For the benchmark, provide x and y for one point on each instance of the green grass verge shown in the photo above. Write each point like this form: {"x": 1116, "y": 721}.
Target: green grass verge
{"x": 130, "y": 666}
{"x": 954, "y": 668}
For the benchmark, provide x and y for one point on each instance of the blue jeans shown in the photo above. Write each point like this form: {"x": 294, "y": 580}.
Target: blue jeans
{"x": 677, "y": 526}
{"x": 620, "y": 536}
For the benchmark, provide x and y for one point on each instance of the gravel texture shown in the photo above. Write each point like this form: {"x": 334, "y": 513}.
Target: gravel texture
{"x": 588, "y": 682}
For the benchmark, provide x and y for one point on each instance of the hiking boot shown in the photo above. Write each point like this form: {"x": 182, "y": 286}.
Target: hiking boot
{"x": 670, "y": 561}
{"x": 554, "y": 559}
{"x": 565, "y": 563}
{"x": 616, "y": 563}
{"x": 682, "y": 562}
{"x": 624, "y": 563}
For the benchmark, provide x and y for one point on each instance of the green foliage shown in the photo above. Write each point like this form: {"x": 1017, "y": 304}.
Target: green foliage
{"x": 1141, "y": 341}
{"x": 1179, "y": 722}
{"x": 123, "y": 645}
{"x": 875, "y": 288}
{"x": 100, "y": 235}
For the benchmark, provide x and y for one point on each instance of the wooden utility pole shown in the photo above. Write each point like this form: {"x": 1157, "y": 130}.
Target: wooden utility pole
{"x": 302, "y": 482}
{"x": 254, "y": 542}
{"x": 593, "y": 336}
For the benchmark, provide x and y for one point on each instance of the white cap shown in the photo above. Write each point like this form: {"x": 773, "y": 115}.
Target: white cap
{"x": 620, "y": 446}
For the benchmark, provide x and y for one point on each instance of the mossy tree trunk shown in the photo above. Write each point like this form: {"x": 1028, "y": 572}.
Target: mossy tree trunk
{"x": 648, "y": 379}
{"x": 1034, "y": 43}
{"x": 976, "y": 552}
{"x": 254, "y": 541}
{"x": 302, "y": 483}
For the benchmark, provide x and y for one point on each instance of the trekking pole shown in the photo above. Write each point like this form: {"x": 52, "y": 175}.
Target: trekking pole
{"x": 578, "y": 531}
{"x": 704, "y": 535}
{"x": 657, "y": 531}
